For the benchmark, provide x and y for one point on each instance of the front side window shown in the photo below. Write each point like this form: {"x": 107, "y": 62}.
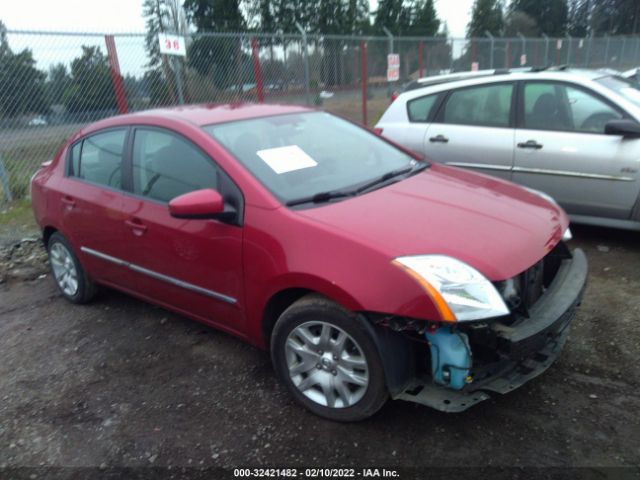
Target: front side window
{"x": 305, "y": 154}
{"x": 419, "y": 109}
{"x": 98, "y": 158}
{"x": 485, "y": 105}
{"x": 560, "y": 107}
{"x": 166, "y": 166}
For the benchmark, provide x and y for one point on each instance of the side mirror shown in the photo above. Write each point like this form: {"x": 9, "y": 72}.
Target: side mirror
{"x": 199, "y": 204}
{"x": 624, "y": 127}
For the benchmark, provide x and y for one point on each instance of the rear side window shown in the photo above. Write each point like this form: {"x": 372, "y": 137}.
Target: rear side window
{"x": 420, "y": 108}
{"x": 486, "y": 105}
{"x": 166, "y": 166}
{"x": 98, "y": 158}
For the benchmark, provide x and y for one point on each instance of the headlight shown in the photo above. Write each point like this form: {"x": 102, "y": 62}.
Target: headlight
{"x": 459, "y": 291}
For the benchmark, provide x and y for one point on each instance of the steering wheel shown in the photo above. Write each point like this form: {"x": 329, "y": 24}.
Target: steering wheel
{"x": 595, "y": 122}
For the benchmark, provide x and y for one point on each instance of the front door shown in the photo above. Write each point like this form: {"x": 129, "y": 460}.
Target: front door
{"x": 561, "y": 149}
{"x": 194, "y": 266}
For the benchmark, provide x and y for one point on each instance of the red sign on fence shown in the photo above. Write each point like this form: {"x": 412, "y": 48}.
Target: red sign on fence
{"x": 393, "y": 67}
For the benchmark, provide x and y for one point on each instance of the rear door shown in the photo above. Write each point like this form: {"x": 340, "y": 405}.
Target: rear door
{"x": 474, "y": 129}
{"x": 91, "y": 200}
{"x": 419, "y": 111}
{"x": 561, "y": 149}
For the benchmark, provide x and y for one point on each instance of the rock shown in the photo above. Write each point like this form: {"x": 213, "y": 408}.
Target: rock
{"x": 593, "y": 395}
{"x": 602, "y": 248}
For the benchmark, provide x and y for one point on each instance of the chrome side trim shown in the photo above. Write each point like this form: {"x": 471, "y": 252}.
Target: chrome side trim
{"x": 104, "y": 256}
{"x": 160, "y": 276}
{"x": 485, "y": 166}
{"x": 567, "y": 173}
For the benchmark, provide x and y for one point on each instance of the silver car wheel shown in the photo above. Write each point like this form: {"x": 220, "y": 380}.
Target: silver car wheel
{"x": 326, "y": 364}
{"x": 64, "y": 269}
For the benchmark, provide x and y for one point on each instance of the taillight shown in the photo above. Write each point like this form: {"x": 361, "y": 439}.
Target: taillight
{"x": 377, "y": 131}
{"x": 394, "y": 95}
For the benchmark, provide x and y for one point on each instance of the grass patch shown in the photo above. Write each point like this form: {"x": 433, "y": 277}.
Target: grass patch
{"x": 17, "y": 216}
{"x": 21, "y": 162}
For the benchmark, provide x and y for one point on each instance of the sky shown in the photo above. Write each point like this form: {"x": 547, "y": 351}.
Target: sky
{"x": 123, "y": 16}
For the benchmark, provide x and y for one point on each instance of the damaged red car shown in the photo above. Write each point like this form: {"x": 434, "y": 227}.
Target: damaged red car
{"x": 367, "y": 272}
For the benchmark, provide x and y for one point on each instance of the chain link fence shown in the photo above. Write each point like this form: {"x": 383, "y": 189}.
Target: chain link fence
{"x": 53, "y": 83}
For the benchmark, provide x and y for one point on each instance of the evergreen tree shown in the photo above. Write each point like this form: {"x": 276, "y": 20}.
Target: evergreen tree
{"x": 90, "y": 88}
{"x": 21, "y": 83}
{"x": 424, "y": 20}
{"x": 57, "y": 83}
{"x": 615, "y": 17}
{"x": 550, "y": 16}
{"x": 579, "y": 18}
{"x": 486, "y": 16}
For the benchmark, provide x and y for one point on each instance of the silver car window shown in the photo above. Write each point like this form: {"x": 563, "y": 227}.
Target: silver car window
{"x": 486, "y": 105}
{"x": 419, "y": 108}
{"x": 559, "y": 107}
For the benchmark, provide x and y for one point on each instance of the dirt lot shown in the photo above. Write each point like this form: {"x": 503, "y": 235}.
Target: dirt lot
{"x": 122, "y": 383}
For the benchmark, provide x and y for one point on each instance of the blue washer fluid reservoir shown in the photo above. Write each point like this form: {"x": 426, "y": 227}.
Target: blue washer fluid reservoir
{"x": 450, "y": 357}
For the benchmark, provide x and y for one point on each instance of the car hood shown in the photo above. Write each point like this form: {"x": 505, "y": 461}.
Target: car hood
{"x": 495, "y": 226}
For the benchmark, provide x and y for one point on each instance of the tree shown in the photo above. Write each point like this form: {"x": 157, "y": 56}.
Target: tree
{"x": 486, "y": 16}
{"x": 58, "y": 82}
{"x": 164, "y": 16}
{"x": 550, "y": 16}
{"x": 615, "y": 17}
{"x": 21, "y": 83}
{"x": 519, "y": 22}
{"x": 393, "y": 15}
{"x": 215, "y": 15}
{"x": 90, "y": 88}
{"x": 423, "y": 20}
{"x": 220, "y": 57}
{"x": 578, "y": 22}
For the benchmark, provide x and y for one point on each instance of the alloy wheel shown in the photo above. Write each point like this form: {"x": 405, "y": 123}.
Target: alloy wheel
{"x": 326, "y": 364}
{"x": 64, "y": 269}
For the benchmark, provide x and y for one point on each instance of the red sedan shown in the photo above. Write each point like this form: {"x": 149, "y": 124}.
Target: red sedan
{"x": 366, "y": 271}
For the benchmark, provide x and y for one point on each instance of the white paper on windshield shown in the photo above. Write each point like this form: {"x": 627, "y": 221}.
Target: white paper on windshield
{"x": 286, "y": 159}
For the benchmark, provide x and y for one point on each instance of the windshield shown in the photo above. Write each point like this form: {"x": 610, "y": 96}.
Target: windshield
{"x": 622, "y": 86}
{"x": 297, "y": 156}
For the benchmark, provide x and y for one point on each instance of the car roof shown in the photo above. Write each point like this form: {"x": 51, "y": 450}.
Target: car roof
{"x": 445, "y": 82}
{"x": 207, "y": 114}
{"x": 562, "y": 71}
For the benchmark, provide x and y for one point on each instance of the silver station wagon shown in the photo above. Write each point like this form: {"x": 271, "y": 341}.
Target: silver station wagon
{"x": 574, "y": 134}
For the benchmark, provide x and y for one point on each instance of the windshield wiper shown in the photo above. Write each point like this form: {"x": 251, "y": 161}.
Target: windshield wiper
{"x": 320, "y": 197}
{"x": 414, "y": 168}
{"x": 323, "y": 197}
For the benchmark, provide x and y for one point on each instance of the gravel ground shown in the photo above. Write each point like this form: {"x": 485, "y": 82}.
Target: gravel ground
{"x": 122, "y": 383}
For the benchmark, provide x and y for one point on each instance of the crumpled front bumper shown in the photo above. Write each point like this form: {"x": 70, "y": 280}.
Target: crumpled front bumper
{"x": 527, "y": 349}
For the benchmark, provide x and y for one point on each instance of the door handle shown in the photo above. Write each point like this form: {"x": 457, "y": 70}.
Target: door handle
{"x": 439, "y": 139}
{"x": 530, "y": 144}
{"x": 136, "y": 226}
{"x": 69, "y": 201}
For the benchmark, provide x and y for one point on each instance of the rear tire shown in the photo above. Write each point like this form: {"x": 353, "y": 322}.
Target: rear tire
{"x": 328, "y": 359}
{"x": 70, "y": 277}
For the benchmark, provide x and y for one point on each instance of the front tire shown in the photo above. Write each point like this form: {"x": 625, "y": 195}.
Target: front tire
{"x": 70, "y": 277}
{"x": 328, "y": 360}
